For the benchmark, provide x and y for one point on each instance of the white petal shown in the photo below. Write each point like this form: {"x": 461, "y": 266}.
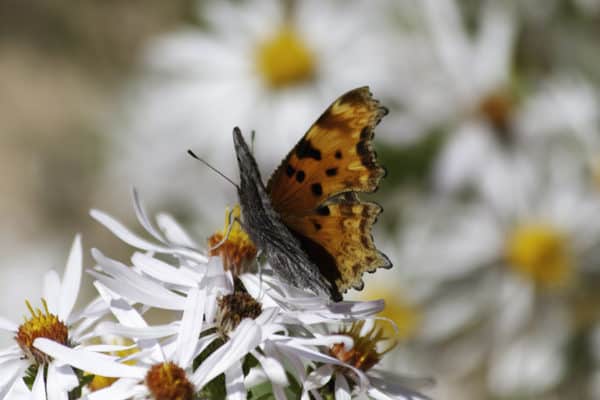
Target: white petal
{"x": 13, "y": 352}
{"x": 147, "y": 332}
{"x": 8, "y": 325}
{"x": 119, "y": 390}
{"x": 71, "y": 281}
{"x": 325, "y": 340}
{"x": 377, "y": 394}
{"x": 128, "y": 284}
{"x": 132, "y": 239}
{"x": 142, "y": 217}
{"x": 191, "y": 326}
{"x": 38, "y": 390}
{"x": 288, "y": 357}
{"x": 51, "y": 290}
{"x": 174, "y": 232}
{"x": 163, "y": 272}
{"x": 342, "y": 389}
{"x": 397, "y": 383}
{"x": 95, "y": 363}
{"x": 119, "y": 230}
{"x": 267, "y": 315}
{"x": 96, "y": 308}
{"x": 272, "y": 368}
{"x": 244, "y": 338}
{"x": 234, "y": 382}
{"x": 398, "y": 388}
{"x": 124, "y": 313}
{"x": 318, "y": 377}
{"x": 10, "y": 371}
{"x": 107, "y": 348}
{"x": 61, "y": 380}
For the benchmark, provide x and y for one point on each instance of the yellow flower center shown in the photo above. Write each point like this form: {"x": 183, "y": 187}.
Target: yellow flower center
{"x": 364, "y": 354}
{"x": 285, "y": 59}
{"x": 41, "y": 324}
{"x": 237, "y": 250}
{"x": 168, "y": 381}
{"x": 540, "y": 253}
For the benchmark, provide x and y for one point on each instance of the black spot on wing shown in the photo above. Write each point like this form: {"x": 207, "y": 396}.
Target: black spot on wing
{"x": 316, "y": 189}
{"x": 305, "y": 149}
{"x": 300, "y": 175}
{"x": 317, "y": 225}
{"x": 289, "y": 170}
{"x": 331, "y": 171}
{"x": 323, "y": 210}
{"x": 338, "y": 154}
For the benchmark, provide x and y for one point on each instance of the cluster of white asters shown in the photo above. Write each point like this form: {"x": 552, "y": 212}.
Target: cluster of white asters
{"x": 267, "y": 335}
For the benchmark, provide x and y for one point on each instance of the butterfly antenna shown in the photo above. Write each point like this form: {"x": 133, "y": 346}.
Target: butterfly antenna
{"x": 191, "y": 153}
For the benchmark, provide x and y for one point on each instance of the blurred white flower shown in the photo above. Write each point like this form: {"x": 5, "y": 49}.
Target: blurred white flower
{"x": 268, "y": 66}
{"x": 561, "y": 115}
{"x": 458, "y": 73}
{"x": 504, "y": 272}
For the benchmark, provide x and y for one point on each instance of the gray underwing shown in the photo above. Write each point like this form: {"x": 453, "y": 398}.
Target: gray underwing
{"x": 263, "y": 224}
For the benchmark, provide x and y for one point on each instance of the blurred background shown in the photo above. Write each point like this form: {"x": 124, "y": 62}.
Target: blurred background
{"x": 492, "y": 145}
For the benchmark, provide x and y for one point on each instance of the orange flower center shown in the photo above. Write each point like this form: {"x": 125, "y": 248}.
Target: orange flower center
{"x": 364, "y": 354}
{"x": 44, "y": 325}
{"x": 168, "y": 381}
{"x": 233, "y": 245}
{"x": 233, "y": 308}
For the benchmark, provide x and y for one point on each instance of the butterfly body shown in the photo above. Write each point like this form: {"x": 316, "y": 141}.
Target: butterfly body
{"x": 308, "y": 219}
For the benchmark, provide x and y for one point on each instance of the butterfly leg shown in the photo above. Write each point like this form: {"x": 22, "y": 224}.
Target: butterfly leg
{"x": 226, "y": 236}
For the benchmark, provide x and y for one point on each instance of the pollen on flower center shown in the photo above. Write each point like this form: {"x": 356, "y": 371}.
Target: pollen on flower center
{"x": 541, "y": 253}
{"x": 168, "y": 381}
{"x": 233, "y": 308}
{"x": 284, "y": 59}
{"x": 237, "y": 250}
{"x": 40, "y": 325}
{"x": 364, "y": 354}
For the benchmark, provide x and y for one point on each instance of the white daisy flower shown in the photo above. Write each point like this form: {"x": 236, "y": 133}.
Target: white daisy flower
{"x": 505, "y": 272}
{"x": 260, "y": 65}
{"x": 347, "y": 366}
{"x": 56, "y": 324}
{"x": 150, "y": 377}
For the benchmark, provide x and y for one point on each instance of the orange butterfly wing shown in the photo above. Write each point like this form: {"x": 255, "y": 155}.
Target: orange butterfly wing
{"x": 314, "y": 189}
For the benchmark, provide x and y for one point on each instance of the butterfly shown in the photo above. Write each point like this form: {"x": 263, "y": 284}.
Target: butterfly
{"x": 308, "y": 220}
